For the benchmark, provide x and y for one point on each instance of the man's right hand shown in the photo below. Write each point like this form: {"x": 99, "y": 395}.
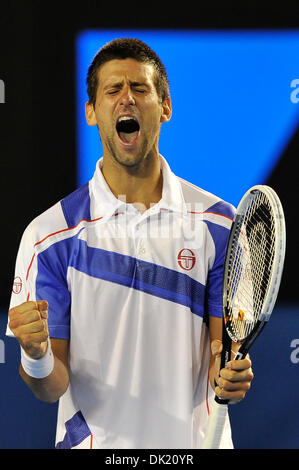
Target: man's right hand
{"x": 29, "y": 324}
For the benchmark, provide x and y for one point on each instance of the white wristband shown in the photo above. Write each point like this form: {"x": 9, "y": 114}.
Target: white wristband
{"x": 38, "y": 368}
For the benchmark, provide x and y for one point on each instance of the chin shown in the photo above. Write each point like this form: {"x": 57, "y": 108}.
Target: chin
{"x": 130, "y": 161}
{"x": 130, "y": 158}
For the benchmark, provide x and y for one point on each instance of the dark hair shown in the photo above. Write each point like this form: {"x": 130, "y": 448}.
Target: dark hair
{"x": 124, "y": 49}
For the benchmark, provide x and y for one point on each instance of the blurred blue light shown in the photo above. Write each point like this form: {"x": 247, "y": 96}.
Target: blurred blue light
{"x": 232, "y": 109}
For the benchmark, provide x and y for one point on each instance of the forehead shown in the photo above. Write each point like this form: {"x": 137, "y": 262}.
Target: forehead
{"x": 131, "y": 69}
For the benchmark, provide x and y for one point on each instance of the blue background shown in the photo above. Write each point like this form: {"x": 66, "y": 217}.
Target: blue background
{"x": 232, "y": 112}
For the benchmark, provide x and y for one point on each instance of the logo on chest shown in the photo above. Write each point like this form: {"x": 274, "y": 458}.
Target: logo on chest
{"x": 186, "y": 259}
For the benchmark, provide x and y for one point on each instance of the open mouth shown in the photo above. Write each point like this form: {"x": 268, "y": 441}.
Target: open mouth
{"x": 127, "y": 128}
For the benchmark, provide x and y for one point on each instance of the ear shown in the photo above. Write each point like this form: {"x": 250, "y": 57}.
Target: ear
{"x": 166, "y": 110}
{"x": 90, "y": 114}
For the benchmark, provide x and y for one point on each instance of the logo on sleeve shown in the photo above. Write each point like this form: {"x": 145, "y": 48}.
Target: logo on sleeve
{"x": 17, "y": 285}
{"x": 186, "y": 259}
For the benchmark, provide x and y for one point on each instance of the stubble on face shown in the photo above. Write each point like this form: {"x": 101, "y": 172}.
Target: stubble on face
{"x": 128, "y": 160}
{"x": 146, "y": 109}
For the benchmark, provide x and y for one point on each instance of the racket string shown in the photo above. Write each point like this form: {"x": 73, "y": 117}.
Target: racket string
{"x": 250, "y": 266}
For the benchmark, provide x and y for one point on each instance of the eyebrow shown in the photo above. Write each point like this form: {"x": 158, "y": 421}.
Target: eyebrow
{"x": 120, "y": 84}
{"x": 138, "y": 84}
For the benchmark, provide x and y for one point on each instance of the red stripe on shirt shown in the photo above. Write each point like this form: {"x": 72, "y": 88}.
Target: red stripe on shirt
{"x": 55, "y": 233}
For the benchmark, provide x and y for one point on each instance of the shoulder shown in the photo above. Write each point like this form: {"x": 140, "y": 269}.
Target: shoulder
{"x": 76, "y": 206}
{"x": 62, "y": 216}
{"x": 50, "y": 221}
{"x": 206, "y": 202}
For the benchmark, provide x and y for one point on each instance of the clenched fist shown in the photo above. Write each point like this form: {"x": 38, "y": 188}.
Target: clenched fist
{"x": 29, "y": 324}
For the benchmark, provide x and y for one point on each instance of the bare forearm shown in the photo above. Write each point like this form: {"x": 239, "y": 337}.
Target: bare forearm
{"x": 50, "y": 388}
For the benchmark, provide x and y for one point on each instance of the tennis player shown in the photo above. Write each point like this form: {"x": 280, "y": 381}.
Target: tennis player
{"x": 118, "y": 302}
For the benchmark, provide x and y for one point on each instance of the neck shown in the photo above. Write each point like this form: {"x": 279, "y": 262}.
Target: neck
{"x": 141, "y": 185}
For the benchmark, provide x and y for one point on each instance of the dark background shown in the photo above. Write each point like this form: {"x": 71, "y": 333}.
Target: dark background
{"x": 38, "y": 159}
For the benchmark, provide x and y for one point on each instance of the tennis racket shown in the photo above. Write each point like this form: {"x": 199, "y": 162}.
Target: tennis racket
{"x": 251, "y": 279}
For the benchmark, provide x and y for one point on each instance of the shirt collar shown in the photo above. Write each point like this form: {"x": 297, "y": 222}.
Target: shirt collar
{"x": 172, "y": 196}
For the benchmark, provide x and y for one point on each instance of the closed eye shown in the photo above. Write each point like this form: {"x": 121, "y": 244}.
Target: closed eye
{"x": 137, "y": 90}
{"x": 113, "y": 92}
{"x": 135, "y": 87}
{"x": 139, "y": 87}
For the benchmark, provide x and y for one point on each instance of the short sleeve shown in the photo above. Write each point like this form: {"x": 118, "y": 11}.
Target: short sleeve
{"x": 21, "y": 284}
{"x": 215, "y": 275}
{"x": 41, "y": 274}
{"x": 51, "y": 285}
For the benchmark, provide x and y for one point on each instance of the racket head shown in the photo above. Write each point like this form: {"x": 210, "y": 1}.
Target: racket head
{"x": 254, "y": 262}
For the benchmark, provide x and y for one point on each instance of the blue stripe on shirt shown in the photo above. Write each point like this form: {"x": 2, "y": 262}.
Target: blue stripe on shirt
{"x": 222, "y": 208}
{"x": 76, "y": 206}
{"x": 153, "y": 279}
{"x": 219, "y": 235}
{"x": 76, "y": 431}
{"x": 141, "y": 275}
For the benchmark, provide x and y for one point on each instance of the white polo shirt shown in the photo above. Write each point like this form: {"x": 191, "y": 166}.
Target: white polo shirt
{"x": 132, "y": 292}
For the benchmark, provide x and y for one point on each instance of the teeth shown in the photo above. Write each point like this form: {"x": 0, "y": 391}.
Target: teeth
{"x": 126, "y": 118}
{"x": 127, "y": 125}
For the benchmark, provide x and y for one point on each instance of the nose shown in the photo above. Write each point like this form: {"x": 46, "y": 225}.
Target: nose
{"x": 127, "y": 97}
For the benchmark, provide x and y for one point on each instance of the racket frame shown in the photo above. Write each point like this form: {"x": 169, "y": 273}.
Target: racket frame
{"x": 278, "y": 260}
{"x": 220, "y": 408}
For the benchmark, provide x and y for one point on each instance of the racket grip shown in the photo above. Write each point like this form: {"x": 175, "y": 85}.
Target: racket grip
{"x": 215, "y": 426}
{"x": 238, "y": 356}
